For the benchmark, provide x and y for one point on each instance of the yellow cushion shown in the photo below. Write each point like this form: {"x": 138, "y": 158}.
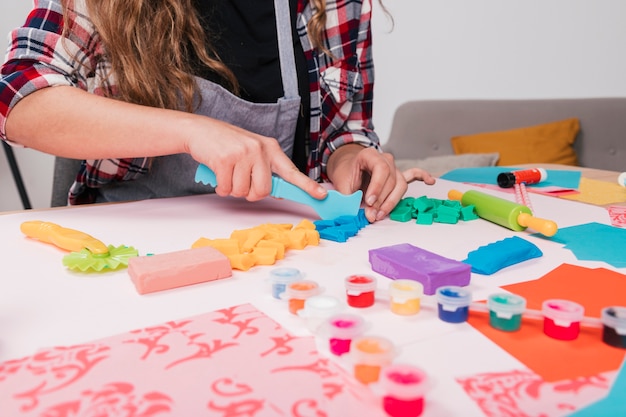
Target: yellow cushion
{"x": 547, "y": 143}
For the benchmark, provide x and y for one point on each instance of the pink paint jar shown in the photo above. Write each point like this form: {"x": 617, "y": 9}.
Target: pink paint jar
{"x": 341, "y": 329}
{"x": 360, "y": 290}
{"x": 562, "y": 319}
{"x": 404, "y": 387}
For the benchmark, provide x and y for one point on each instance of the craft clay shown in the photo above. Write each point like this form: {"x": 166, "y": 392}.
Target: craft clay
{"x": 177, "y": 269}
{"x": 405, "y": 261}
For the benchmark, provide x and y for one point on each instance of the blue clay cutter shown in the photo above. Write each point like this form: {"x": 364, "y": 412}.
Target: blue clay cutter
{"x": 334, "y": 205}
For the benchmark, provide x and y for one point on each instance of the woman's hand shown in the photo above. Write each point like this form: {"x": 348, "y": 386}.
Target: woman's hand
{"x": 244, "y": 162}
{"x": 353, "y": 167}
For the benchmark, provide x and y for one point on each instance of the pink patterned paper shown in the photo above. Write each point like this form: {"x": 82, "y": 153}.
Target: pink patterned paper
{"x": 227, "y": 363}
{"x": 521, "y": 393}
{"x": 617, "y": 215}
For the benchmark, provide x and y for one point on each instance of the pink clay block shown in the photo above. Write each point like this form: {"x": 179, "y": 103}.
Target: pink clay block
{"x": 178, "y": 269}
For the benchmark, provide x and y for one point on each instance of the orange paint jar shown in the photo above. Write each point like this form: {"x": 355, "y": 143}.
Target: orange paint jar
{"x": 369, "y": 354}
{"x": 297, "y": 292}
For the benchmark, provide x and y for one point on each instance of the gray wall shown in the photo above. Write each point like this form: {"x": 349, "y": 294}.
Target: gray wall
{"x": 442, "y": 49}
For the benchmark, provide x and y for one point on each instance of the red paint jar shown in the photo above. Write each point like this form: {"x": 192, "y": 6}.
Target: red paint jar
{"x": 562, "y": 319}
{"x": 360, "y": 290}
{"x": 404, "y": 386}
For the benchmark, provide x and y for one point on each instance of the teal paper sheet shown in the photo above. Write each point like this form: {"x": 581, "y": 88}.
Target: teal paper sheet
{"x": 593, "y": 242}
{"x": 561, "y": 178}
{"x": 613, "y": 404}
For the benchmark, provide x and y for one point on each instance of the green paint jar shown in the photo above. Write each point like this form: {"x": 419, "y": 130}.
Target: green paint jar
{"x": 505, "y": 311}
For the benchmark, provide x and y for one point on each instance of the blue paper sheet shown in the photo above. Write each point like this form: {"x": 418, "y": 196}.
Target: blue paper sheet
{"x": 562, "y": 178}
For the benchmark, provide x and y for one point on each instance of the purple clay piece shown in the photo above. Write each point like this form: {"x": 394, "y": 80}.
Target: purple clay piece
{"x": 405, "y": 261}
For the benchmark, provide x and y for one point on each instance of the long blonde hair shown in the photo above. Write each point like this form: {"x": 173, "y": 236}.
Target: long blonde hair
{"x": 150, "y": 42}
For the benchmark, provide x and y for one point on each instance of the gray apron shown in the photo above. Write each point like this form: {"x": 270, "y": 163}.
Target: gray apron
{"x": 173, "y": 175}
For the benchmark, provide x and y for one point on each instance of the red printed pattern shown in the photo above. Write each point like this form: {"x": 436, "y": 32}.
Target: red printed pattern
{"x": 525, "y": 394}
{"x": 618, "y": 215}
{"x": 229, "y": 363}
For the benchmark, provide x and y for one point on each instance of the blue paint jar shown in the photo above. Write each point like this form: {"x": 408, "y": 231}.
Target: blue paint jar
{"x": 614, "y": 326}
{"x": 281, "y": 277}
{"x": 453, "y": 303}
{"x": 505, "y": 311}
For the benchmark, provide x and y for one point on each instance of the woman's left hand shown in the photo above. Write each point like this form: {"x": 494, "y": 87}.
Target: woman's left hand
{"x": 353, "y": 167}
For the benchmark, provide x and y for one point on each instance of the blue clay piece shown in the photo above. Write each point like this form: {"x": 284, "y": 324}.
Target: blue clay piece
{"x": 347, "y": 229}
{"x": 493, "y": 257}
{"x": 341, "y": 228}
{"x": 362, "y": 219}
{"x": 323, "y": 224}
{"x": 332, "y": 233}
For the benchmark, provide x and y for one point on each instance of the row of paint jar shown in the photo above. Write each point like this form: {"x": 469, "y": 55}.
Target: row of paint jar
{"x": 289, "y": 284}
{"x": 562, "y": 319}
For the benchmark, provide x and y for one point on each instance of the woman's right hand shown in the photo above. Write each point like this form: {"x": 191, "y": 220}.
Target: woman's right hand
{"x": 244, "y": 162}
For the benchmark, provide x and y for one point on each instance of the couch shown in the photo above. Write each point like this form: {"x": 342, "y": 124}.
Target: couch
{"x": 422, "y": 130}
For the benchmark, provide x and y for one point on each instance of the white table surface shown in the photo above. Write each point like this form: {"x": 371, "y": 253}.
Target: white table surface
{"x": 43, "y": 304}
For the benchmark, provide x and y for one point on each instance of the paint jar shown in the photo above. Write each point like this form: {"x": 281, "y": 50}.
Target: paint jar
{"x": 561, "y": 319}
{"x": 404, "y": 387}
{"x": 404, "y": 296}
{"x": 281, "y": 277}
{"x": 341, "y": 330}
{"x": 360, "y": 290}
{"x": 505, "y": 311}
{"x": 297, "y": 292}
{"x": 317, "y": 309}
{"x": 614, "y": 326}
{"x": 453, "y": 303}
{"x": 369, "y": 355}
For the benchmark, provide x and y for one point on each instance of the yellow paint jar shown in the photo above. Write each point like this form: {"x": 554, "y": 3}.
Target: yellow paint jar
{"x": 404, "y": 296}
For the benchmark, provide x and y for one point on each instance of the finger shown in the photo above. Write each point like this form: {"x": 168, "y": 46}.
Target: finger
{"x": 261, "y": 182}
{"x": 290, "y": 173}
{"x": 382, "y": 179}
{"x": 242, "y": 178}
{"x": 393, "y": 198}
{"x": 414, "y": 174}
{"x": 224, "y": 177}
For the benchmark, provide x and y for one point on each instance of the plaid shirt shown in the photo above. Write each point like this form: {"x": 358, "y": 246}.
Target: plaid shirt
{"x": 341, "y": 86}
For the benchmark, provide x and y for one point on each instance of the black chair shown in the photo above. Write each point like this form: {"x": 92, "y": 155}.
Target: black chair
{"x": 17, "y": 176}
{"x": 65, "y": 170}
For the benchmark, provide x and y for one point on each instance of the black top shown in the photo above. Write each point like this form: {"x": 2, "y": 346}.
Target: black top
{"x": 244, "y": 35}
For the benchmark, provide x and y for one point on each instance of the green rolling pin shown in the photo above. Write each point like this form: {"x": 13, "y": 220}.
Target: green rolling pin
{"x": 503, "y": 212}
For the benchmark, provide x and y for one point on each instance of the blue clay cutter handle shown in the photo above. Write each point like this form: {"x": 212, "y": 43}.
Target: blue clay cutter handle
{"x": 334, "y": 205}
